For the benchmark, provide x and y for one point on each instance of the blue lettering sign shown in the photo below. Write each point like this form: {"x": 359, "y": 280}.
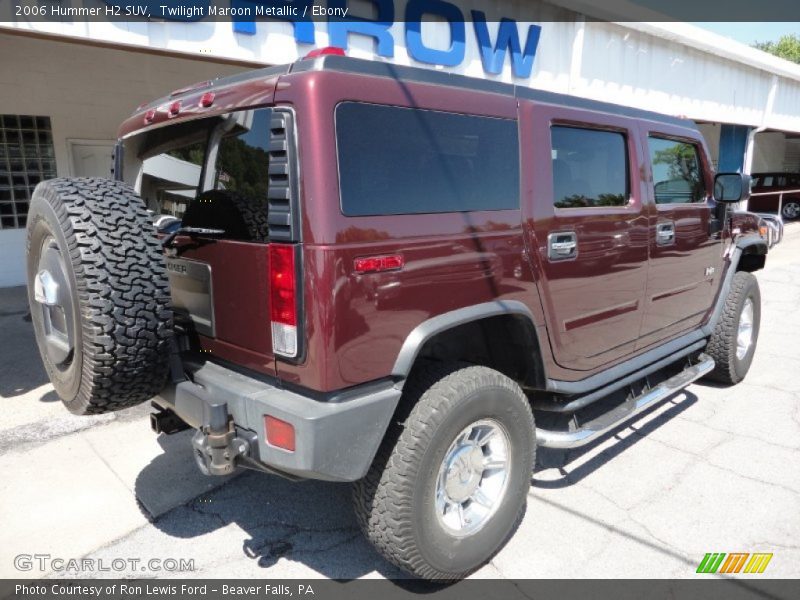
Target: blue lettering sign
{"x": 493, "y": 53}
{"x": 451, "y": 57}
{"x": 303, "y": 27}
{"x": 339, "y": 30}
{"x": 493, "y": 57}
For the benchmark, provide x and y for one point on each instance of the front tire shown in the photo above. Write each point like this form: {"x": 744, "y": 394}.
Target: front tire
{"x": 733, "y": 343}
{"x": 449, "y": 485}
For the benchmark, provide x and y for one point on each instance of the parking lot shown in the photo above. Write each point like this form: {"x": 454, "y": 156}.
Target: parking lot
{"x": 710, "y": 470}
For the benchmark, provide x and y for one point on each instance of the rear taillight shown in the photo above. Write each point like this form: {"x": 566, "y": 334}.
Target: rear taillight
{"x": 283, "y": 299}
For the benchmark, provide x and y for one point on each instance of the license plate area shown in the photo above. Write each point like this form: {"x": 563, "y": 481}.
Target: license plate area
{"x": 192, "y": 292}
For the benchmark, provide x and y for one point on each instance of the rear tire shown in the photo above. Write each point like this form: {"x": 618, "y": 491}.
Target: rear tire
{"x": 733, "y": 343}
{"x": 98, "y": 294}
{"x": 434, "y": 462}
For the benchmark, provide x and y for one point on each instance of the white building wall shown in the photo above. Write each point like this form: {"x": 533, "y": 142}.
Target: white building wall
{"x": 667, "y": 67}
{"x": 12, "y": 257}
{"x": 87, "y": 92}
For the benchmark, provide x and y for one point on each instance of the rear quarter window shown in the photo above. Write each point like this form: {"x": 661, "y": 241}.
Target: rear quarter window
{"x": 395, "y": 161}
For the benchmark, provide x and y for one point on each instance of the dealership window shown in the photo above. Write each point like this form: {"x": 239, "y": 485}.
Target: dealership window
{"x": 590, "y": 167}
{"x": 412, "y": 161}
{"x": 677, "y": 171}
{"x": 27, "y": 157}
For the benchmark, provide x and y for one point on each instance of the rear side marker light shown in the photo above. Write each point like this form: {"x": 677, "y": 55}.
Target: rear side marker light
{"x": 327, "y": 51}
{"x": 375, "y": 264}
{"x": 283, "y": 299}
{"x": 175, "y": 108}
{"x": 279, "y": 433}
{"x": 207, "y": 99}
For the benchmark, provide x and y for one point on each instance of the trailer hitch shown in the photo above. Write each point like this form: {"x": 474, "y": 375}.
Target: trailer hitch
{"x": 217, "y": 447}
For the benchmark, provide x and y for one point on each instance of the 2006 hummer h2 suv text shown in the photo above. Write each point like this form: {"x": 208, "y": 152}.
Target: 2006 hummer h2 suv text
{"x": 396, "y": 277}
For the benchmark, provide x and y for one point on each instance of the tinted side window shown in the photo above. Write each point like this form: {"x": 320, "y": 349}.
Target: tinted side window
{"x": 405, "y": 161}
{"x": 677, "y": 174}
{"x": 590, "y": 167}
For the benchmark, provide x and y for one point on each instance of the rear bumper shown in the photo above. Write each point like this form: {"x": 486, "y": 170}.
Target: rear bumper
{"x": 334, "y": 441}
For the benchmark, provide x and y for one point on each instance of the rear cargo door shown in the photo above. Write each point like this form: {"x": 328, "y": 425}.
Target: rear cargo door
{"x": 233, "y": 178}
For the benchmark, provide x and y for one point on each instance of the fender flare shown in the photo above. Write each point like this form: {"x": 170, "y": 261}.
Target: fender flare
{"x": 440, "y": 323}
{"x": 745, "y": 245}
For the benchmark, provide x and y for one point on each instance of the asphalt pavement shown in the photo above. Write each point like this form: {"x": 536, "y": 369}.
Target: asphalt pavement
{"x": 710, "y": 470}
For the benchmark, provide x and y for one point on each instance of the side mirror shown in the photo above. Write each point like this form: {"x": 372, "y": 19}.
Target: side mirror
{"x": 732, "y": 187}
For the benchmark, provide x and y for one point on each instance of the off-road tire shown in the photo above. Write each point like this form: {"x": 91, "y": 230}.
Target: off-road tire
{"x": 394, "y": 501}
{"x": 242, "y": 217}
{"x": 118, "y": 287}
{"x": 729, "y": 368}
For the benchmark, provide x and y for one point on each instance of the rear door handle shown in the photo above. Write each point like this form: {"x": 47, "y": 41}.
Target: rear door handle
{"x": 562, "y": 245}
{"x": 665, "y": 234}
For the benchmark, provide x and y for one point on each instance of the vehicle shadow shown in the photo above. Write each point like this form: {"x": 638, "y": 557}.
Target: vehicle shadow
{"x": 551, "y": 458}
{"x": 259, "y": 519}
{"x": 21, "y": 368}
{"x": 254, "y": 520}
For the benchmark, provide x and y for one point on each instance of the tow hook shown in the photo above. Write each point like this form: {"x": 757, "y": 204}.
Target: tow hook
{"x": 216, "y": 445}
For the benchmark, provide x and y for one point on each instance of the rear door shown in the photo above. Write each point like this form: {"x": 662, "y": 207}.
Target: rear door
{"x": 685, "y": 241}
{"x": 588, "y": 234}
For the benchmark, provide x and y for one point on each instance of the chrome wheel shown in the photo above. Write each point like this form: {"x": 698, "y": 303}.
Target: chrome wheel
{"x": 51, "y": 291}
{"x": 791, "y": 210}
{"x": 744, "y": 335}
{"x": 473, "y": 477}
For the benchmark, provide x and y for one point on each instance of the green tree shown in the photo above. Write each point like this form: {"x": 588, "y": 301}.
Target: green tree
{"x": 788, "y": 47}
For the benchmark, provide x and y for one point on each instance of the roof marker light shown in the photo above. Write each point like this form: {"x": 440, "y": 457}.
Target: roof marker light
{"x": 207, "y": 99}
{"x": 175, "y": 108}
{"x": 150, "y": 115}
{"x": 326, "y": 51}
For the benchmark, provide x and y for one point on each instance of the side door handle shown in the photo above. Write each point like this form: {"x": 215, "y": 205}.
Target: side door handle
{"x": 665, "y": 233}
{"x": 562, "y": 245}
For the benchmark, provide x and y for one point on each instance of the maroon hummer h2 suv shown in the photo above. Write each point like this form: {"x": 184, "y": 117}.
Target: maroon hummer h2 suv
{"x": 396, "y": 277}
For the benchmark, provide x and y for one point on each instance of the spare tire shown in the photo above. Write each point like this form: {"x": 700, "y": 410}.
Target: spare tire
{"x": 98, "y": 293}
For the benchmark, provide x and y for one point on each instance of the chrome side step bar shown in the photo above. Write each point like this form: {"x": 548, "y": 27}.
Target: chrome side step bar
{"x": 596, "y": 428}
